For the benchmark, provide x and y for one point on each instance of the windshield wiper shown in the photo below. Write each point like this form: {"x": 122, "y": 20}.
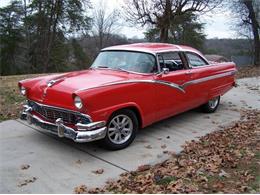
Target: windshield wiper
{"x": 102, "y": 67}
{"x": 121, "y": 69}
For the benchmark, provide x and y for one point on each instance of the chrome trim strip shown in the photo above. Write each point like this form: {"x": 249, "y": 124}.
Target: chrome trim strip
{"x": 63, "y": 109}
{"x": 166, "y": 83}
{"x": 169, "y": 84}
{"x": 208, "y": 78}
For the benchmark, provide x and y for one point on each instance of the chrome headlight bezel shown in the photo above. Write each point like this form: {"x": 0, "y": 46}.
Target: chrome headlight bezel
{"x": 78, "y": 102}
{"x": 23, "y": 90}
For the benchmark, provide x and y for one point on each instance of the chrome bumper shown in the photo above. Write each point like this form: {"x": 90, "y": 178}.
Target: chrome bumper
{"x": 86, "y": 132}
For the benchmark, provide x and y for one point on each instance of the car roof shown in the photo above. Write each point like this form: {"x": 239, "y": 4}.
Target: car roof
{"x": 152, "y": 47}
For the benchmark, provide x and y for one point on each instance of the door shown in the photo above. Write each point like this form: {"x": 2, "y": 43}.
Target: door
{"x": 170, "y": 96}
{"x": 207, "y": 80}
{"x": 196, "y": 89}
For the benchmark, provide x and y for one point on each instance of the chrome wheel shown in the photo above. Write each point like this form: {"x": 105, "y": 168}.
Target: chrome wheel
{"x": 120, "y": 129}
{"x": 213, "y": 103}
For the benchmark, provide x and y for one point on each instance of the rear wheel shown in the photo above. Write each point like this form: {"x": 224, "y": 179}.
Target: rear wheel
{"x": 121, "y": 130}
{"x": 211, "y": 105}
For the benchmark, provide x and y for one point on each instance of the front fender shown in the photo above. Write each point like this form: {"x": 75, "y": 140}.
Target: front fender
{"x": 101, "y": 102}
{"x": 105, "y": 113}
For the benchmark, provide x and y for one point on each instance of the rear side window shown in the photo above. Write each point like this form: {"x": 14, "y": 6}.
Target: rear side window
{"x": 195, "y": 60}
{"x": 171, "y": 60}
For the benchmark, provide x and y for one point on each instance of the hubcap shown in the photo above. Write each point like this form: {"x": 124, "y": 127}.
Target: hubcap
{"x": 213, "y": 103}
{"x": 120, "y": 129}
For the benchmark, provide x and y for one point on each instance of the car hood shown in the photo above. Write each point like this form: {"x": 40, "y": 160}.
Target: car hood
{"x": 61, "y": 87}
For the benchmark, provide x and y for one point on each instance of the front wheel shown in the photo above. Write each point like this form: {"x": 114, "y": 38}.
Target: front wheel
{"x": 211, "y": 105}
{"x": 121, "y": 130}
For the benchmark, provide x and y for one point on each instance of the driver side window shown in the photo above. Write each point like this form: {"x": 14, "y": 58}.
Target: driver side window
{"x": 171, "y": 60}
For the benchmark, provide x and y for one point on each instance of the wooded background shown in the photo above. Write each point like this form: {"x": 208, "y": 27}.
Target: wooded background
{"x": 41, "y": 36}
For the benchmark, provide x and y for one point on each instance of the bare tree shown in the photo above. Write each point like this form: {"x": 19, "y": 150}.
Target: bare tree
{"x": 104, "y": 24}
{"x": 247, "y": 15}
{"x": 253, "y": 21}
{"x": 162, "y": 13}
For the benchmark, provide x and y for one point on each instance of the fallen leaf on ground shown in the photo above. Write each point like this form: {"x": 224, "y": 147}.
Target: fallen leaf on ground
{"x": 223, "y": 174}
{"x": 143, "y": 168}
{"x": 78, "y": 162}
{"x": 163, "y": 146}
{"x": 25, "y": 166}
{"x": 98, "y": 171}
{"x": 27, "y": 181}
{"x": 82, "y": 189}
{"x": 148, "y": 146}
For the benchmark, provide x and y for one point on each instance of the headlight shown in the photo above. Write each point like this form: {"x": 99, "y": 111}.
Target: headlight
{"x": 23, "y": 90}
{"x": 78, "y": 102}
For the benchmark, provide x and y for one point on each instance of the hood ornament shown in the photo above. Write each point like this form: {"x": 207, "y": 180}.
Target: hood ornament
{"x": 50, "y": 84}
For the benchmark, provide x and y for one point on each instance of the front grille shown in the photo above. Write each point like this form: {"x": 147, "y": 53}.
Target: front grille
{"x": 52, "y": 114}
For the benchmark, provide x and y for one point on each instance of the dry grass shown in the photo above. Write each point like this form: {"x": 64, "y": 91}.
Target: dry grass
{"x": 249, "y": 71}
{"x": 10, "y": 99}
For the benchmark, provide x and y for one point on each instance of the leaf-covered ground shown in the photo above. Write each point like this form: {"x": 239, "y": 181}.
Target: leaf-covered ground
{"x": 225, "y": 161}
{"x": 248, "y": 71}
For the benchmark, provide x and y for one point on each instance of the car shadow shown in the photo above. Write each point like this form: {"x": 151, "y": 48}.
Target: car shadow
{"x": 192, "y": 118}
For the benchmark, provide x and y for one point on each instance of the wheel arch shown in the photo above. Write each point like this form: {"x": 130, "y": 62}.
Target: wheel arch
{"x": 133, "y": 108}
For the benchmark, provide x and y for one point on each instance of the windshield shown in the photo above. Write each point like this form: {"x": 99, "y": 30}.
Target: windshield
{"x": 126, "y": 61}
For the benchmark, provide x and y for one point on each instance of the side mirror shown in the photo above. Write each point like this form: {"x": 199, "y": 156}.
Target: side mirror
{"x": 165, "y": 70}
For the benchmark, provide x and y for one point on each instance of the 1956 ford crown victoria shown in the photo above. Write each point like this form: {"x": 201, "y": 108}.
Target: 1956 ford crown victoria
{"x": 127, "y": 87}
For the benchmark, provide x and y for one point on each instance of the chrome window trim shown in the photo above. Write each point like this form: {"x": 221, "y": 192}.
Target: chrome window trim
{"x": 179, "y": 49}
{"x": 200, "y": 56}
{"x": 63, "y": 109}
{"x": 170, "y": 51}
{"x": 128, "y": 71}
{"x": 129, "y": 49}
{"x": 133, "y": 72}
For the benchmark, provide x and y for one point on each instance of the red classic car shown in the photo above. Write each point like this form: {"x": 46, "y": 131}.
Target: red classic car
{"x": 127, "y": 87}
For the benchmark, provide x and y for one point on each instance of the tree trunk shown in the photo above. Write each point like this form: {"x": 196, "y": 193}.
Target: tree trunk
{"x": 164, "y": 35}
{"x": 255, "y": 28}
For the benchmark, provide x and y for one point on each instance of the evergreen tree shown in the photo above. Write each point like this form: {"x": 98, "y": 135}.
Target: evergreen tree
{"x": 11, "y": 37}
{"x": 185, "y": 29}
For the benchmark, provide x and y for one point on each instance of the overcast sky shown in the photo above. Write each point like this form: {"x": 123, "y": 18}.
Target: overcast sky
{"x": 217, "y": 24}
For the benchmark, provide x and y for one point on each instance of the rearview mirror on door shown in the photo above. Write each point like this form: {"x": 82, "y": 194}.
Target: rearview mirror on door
{"x": 165, "y": 70}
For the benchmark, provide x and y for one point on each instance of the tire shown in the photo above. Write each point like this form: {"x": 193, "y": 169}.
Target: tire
{"x": 211, "y": 106}
{"x": 116, "y": 130}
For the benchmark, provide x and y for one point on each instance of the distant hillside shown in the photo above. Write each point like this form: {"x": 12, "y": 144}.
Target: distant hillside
{"x": 228, "y": 47}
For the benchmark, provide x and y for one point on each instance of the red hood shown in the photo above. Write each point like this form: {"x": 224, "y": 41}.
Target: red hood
{"x": 60, "y": 93}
